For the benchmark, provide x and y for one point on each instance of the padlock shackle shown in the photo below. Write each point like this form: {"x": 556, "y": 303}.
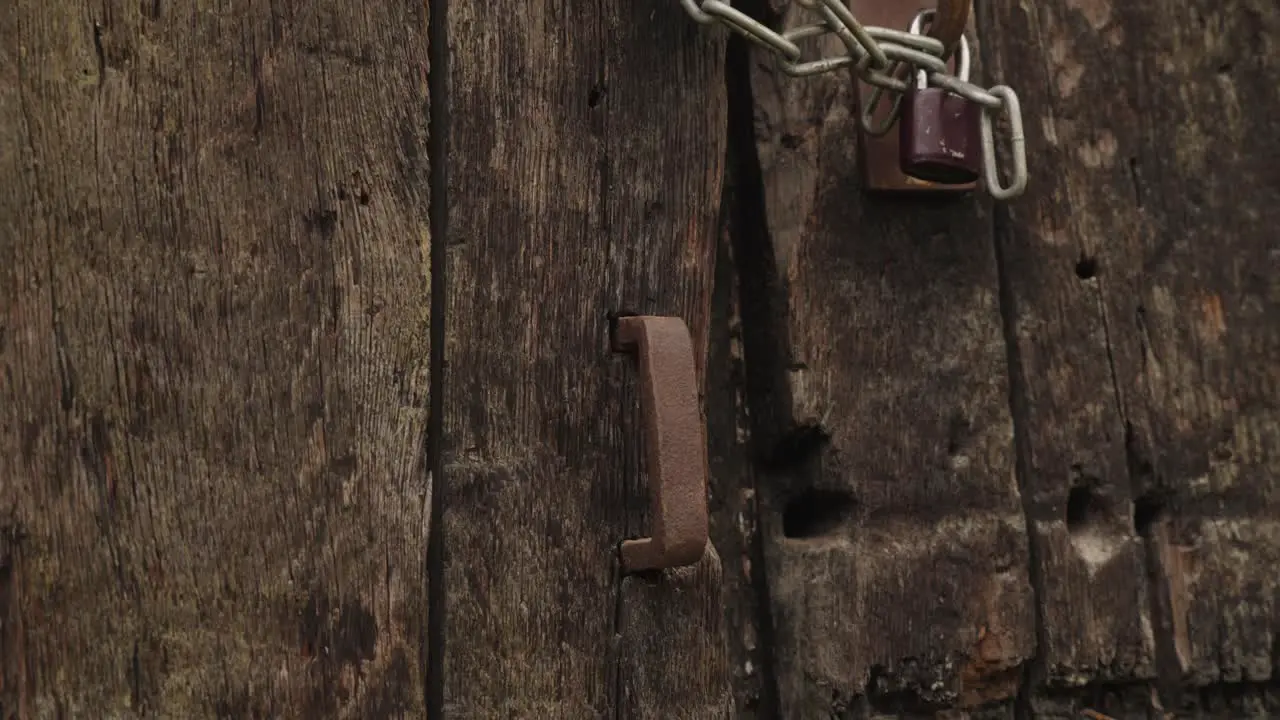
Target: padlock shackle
{"x": 962, "y": 62}
{"x": 950, "y": 19}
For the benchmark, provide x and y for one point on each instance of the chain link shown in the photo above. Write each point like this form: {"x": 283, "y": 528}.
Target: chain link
{"x": 1018, "y": 147}
{"x": 887, "y": 59}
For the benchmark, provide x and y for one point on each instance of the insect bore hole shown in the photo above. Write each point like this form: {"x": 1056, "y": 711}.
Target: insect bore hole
{"x": 1085, "y": 508}
{"x": 1087, "y": 267}
{"x": 1148, "y": 509}
{"x": 816, "y": 513}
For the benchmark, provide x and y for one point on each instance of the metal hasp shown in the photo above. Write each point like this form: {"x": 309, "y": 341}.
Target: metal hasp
{"x": 676, "y": 447}
{"x": 879, "y": 155}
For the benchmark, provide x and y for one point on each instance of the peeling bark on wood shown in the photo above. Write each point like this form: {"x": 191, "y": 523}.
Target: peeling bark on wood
{"x": 894, "y": 530}
{"x": 213, "y": 351}
{"x": 586, "y": 164}
{"x": 1142, "y": 268}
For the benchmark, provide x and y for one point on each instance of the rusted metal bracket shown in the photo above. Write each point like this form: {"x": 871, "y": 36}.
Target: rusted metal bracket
{"x": 675, "y": 438}
{"x": 878, "y": 156}
{"x": 950, "y": 20}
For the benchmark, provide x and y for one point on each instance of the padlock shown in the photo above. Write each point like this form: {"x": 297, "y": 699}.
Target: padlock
{"x": 939, "y": 132}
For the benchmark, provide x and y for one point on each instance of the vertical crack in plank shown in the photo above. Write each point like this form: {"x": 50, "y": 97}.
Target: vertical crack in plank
{"x": 1034, "y": 672}
{"x": 743, "y": 248}
{"x": 434, "y": 651}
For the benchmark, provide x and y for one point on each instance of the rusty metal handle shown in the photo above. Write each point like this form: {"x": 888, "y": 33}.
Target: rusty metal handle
{"x": 675, "y": 439}
{"x": 949, "y": 22}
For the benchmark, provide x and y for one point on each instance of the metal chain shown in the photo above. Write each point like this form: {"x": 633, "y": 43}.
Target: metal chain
{"x": 886, "y": 59}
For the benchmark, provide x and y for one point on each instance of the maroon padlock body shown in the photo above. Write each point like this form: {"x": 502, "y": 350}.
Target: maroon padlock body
{"x": 940, "y": 136}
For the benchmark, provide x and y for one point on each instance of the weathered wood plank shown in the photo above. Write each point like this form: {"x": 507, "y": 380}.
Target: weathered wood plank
{"x": 1141, "y": 701}
{"x": 894, "y": 531}
{"x": 1143, "y": 267}
{"x": 672, "y": 642}
{"x": 586, "y": 163}
{"x": 1092, "y": 594}
{"x": 213, "y": 349}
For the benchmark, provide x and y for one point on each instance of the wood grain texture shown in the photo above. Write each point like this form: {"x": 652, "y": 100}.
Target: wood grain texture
{"x": 1141, "y": 701}
{"x": 213, "y": 348}
{"x": 1093, "y": 596}
{"x": 1143, "y": 269}
{"x": 895, "y": 540}
{"x": 586, "y": 162}
{"x": 673, "y": 645}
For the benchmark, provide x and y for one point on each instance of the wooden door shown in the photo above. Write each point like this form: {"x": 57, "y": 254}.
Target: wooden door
{"x": 308, "y": 407}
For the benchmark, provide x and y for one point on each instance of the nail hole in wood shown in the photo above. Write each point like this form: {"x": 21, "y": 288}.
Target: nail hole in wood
{"x": 1147, "y": 510}
{"x": 798, "y": 447}
{"x": 612, "y": 317}
{"x": 1087, "y": 267}
{"x": 1085, "y": 508}
{"x": 816, "y": 513}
